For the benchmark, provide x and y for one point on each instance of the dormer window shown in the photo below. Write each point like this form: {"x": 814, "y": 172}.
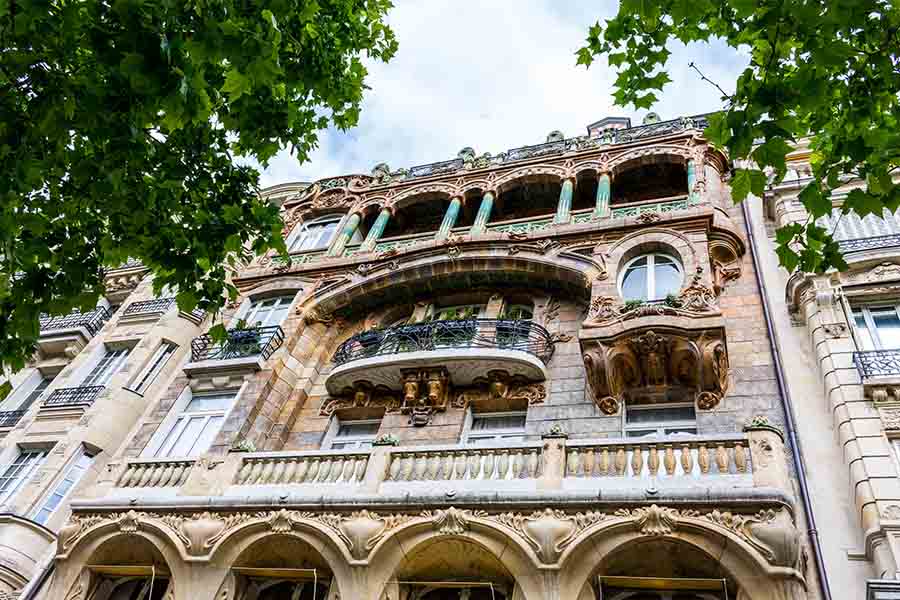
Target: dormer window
{"x": 314, "y": 235}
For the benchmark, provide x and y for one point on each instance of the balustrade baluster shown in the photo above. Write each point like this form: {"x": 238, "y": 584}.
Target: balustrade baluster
{"x": 573, "y": 457}
{"x": 488, "y": 465}
{"x": 277, "y": 471}
{"x": 533, "y": 464}
{"x": 313, "y": 471}
{"x": 324, "y": 470}
{"x": 604, "y": 462}
{"x": 588, "y": 462}
{"x": 244, "y": 472}
{"x": 653, "y": 461}
{"x": 503, "y": 465}
{"x": 265, "y": 475}
{"x": 703, "y": 459}
{"x": 740, "y": 459}
{"x": 420, "y": 467}
{"x": 669, "y": 460}
{"x": 722, "y": 459}
{"x": 459, "y": 466}
{"x": 289, "y": 470}
{"x": 303, "y": 465}
{"x": 125, "y": 477}
{"x": 474, "y": 463}
{"x": 517, "y": 460}
{"x": 145, "y": 476}
{"x": 687, "y": 460}
{"x": 620, "y": 461}
{"x": 637, "y": 461}
{"x": 408, "y": 463}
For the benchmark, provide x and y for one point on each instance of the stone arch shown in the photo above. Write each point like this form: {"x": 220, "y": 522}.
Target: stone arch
{"x": 655, "y": 239}
{"x": 647, "y": 155}
{"x": 756, "y": 579}
{"x": 399, "y": 550}
{"x": 302, "y": 548}
{"x": 546, "y": 170}
{"x": 571, "y": 273}
{"x": 409, "y": 195}
{"x": 275, "y": 286}
{"x": 144, "y": 544}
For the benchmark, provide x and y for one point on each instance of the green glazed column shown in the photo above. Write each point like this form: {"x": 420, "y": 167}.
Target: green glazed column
{"x": 564, "y": 207}
{"x": 691, "y": 180}
{"x": 449, "y": 218}
{"x": 345, "y": 236}
{"x": 604, "y": 192}
{"x": 484, "y": 213}
{"x": 377, "y": 230}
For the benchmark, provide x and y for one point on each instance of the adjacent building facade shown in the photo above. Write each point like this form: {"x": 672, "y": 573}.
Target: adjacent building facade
{"x": 542, "y": 374}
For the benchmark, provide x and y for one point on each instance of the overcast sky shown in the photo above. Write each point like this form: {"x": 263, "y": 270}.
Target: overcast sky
{"x": 494, "y": 75}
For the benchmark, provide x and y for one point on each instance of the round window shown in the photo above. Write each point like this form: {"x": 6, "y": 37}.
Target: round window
{"x": 650, "y": 277}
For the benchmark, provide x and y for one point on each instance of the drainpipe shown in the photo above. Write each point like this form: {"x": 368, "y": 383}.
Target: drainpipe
{"x": 790, "y": 420}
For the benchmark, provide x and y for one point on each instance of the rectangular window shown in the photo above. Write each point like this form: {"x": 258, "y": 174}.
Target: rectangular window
{"x": 353, "y": 435}
{"x": 877, "y": 327}
{"x": 19, "y": 471}
{"x": 73, "y": 475}
{"x": 267, "y": 311}
{"x": 196, "y": 426}
{"x": 109, "y": 364}
{"x": 27, "y": 393}
{"x": 491, "y": 427}
{"x": 660, "y": 420}
{"x": 156, "y": 363}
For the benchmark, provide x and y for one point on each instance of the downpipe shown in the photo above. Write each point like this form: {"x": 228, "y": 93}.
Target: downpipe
{"x": 790, "y": 420}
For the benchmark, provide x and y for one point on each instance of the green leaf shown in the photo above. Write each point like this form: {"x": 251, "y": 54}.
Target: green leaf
{"x": 745, "y": 182}
{"x": 816, "y": 203}
{"x": 235, "y": 85}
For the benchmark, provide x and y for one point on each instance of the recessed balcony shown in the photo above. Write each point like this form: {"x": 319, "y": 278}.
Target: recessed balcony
{"x": 243, "y": 348}
{"x": 465, "y": 350}
{"x": 68, "y": 334}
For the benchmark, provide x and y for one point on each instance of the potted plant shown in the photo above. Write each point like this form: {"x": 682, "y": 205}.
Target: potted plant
{"x": 242, "y": 341}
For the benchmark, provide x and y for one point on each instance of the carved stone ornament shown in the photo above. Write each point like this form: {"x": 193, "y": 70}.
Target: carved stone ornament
{"x": 499, "y": 386}
{"x": 361, "y": 530}
{"x": 835, "y": 330}
{"x": 648, "y": 217}
{"x": 362, "y": 395}
{"x": 549, "y": 531}
{"x": 697, "y": 296}
{"x": 654, "y": 520}
{"x": 425, "y": 391}
{"x": 887, "y": 394}
{"x": 890, "y": 418}
{"x": 452, "y": 521}
{"x": 647, "y": 367}
{"x": 891, "y": 513}
{"x": 884, "y": 272}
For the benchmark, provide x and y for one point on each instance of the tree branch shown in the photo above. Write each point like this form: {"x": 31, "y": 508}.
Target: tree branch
{"x": 708, "y": 80}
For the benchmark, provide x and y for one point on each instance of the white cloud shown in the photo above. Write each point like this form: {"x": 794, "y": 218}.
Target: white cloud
{"x": 492, "y": 75}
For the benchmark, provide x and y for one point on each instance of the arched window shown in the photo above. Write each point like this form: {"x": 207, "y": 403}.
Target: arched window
{"x": 650, "y": 277}
{"x": 314, "y": 235}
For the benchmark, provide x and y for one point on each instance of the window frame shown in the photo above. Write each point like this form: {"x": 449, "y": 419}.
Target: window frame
{"x": 651, "y": 275}
{"x": 251, "y": 307}
{"x": 163, "y": 436}
{"x": 661, "y": 426}
{"x": 152, "y": 368}
{"x": 871, "y": 328}
{"x": 303, "y": 228}
{"x": 74, "y": 463}
{"x": 30, "y": 387}
{"x": 24, "y": 474}
{"x": 95, "y": 375}
{"x": 333, "y": 436}
{"x": 471, "y": 437}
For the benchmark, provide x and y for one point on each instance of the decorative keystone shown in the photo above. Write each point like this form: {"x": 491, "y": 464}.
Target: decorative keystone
{"x": 243, "y": 445}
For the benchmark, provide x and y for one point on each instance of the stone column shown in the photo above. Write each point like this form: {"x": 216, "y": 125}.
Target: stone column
{"x": 377, "y": 230}
{"x": 564, "y": 207}
{"x": 604, "y": 192}
{"x": 484, "y": 213}
{"x": 449, "y": 218}
{"x": 691, "y": 180}
{"x": 340, "y": 242}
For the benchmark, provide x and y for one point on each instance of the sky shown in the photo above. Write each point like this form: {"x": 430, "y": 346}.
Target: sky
{"x": 493, "y": 75}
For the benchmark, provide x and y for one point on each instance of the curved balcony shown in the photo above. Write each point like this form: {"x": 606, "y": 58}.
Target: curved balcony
{"x": 467, "y": 349}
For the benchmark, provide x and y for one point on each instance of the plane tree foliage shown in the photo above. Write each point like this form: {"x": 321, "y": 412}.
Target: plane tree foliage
{"x": 126, "y": 128}
{"x": 823, "y": 70}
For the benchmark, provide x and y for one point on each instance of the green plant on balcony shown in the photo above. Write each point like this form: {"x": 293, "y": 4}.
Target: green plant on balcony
{"x": 673, "y": 301}
{"x": 630, "y": 305}
{"x": 242, "y": 341}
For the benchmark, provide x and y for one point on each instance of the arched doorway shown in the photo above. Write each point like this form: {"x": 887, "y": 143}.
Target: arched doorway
{"x": 128, "y": 567}
{"x": 282, "y": 567}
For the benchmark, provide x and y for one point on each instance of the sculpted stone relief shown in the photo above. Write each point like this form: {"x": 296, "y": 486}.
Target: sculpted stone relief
{"x": 548, "y": 532}
{"x": 647, "y": 366}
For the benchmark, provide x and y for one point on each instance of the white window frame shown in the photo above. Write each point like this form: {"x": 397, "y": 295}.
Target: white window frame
{"x": 472, "y": 437}
{"x": 18, "y": 397}
{"x": 250, "y": 308}
{"x": 167, "y": 428}
{"x": 80, "y": 463}
{"x": 153, "y": 367}
{"x": 302, "y": 230}
{"x": 437, "y": 310}
{"x": 866, "y": 310}
{"x": 660, "y": 427}
{"x": 25, "y": 472}
{"x": 91, "y": 376}
{"x": 651, "y": 274}
{"x": 353, "y": 442}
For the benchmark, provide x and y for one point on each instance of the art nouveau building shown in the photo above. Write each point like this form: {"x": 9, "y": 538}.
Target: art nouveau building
{"x": 544, "y": 374}
{"x": 841, "y": 330}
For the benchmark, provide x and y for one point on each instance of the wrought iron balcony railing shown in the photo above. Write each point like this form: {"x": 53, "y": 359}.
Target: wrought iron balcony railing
{"x": 91, "y": 321}
{"x": 877, "y": 363}
{"x": 869, "y": 243}
{"x": 503, "y": 334}
{"x": 10, "y": 418}
{"x": 148, "y": 307}
{"x": 75, "y": 396}
{"x": 239, "y": 343}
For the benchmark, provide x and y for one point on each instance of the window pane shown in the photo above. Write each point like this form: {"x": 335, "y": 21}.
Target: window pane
{"x": 206, "y": 437}
{"x": 888, "y": 326}
{"x": 634, "y": 284}
{"x": 209, "y": 402}
{"x": 357, "y": 429}
{"x": 662, "y": 414}
{"x": 498, "y": 423}
{"x": 153, "y": 368}
{"x": 667, "y": 278}
{"x": 188, "y": 437}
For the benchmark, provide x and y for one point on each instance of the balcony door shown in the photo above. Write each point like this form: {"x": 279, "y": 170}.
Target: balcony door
{"x": 877, "y": 326}
{"x": 265, "y": 312}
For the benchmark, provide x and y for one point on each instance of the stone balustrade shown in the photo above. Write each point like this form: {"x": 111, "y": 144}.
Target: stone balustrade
{"x": 514, "y": 467}
{"x": 484, "y": 464}
{"x": 660, "y": 457}
{"x": 154, "y": 473}
{"x": 302, "y": 469}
